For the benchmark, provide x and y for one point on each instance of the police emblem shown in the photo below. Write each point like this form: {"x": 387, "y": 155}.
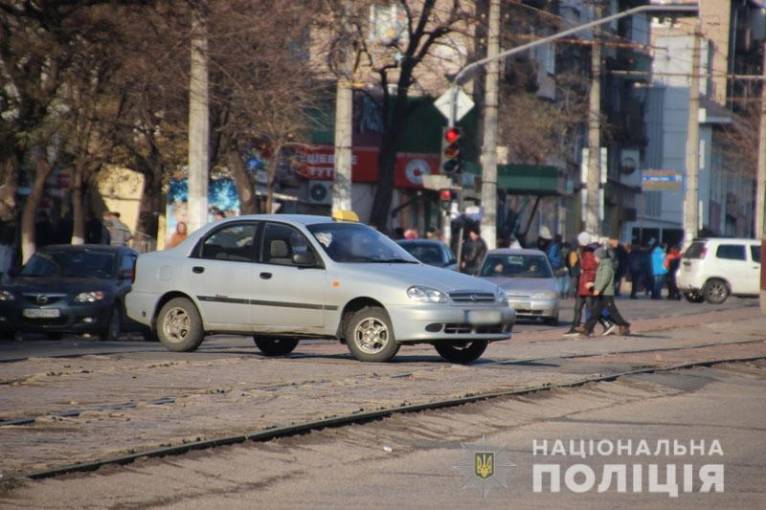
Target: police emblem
{"x": 484, "y": 467}
{"x": 485, "y": 464}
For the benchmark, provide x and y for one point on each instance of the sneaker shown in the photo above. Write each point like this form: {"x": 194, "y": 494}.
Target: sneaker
{"x": 610, "y": 330}
{"x": 572, "y": 332}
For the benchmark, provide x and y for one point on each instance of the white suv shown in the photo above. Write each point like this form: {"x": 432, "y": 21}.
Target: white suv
{"x": 711, "y": 269}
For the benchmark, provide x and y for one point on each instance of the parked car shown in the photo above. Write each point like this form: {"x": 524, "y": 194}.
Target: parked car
{"x": 528, "y": 281}
{"x": 282, "y": 278}
{"x": 69, "y": 289}
{"x": 433, "y": 253}
{"x": 712, "y": 269}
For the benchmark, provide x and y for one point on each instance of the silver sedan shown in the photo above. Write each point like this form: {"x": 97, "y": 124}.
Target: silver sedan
{"x": 528, "y": 280}
{"x": 282, "y": 278}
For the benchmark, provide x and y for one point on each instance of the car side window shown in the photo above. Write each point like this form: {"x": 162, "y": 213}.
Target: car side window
{"x": 232, "y": 242}
{"x": 281, "y": 242}
{"x": 755, "y": 253}
{"x": 731, "y": 252}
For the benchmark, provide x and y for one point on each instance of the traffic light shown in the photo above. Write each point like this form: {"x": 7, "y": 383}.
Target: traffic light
{"x": 450, "y": 155}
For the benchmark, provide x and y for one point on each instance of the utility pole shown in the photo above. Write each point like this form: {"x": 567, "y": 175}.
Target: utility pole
{"x": 199, "y": 119}
{"x": 691, "y": 205}
{"x": 760, "y": 194}
{"x": 489, "y": 146}
{"x": 344, "y": 109}
{"x": 593, "y": 181}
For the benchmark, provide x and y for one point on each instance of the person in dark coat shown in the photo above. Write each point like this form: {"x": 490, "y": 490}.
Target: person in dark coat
{"x": 474, "y": 251}
{"x": 636, "y": 269}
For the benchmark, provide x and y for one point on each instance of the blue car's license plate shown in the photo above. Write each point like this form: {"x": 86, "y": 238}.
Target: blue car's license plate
{"x": 42, "y": 313}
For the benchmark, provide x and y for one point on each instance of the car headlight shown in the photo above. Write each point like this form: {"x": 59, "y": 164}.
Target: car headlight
{"x": 426, "y": 295}
{"x": 6, "y": 296}
{"x": 89, "y": 297}
{"x": 501, "y": 296}
{"x": 549, "y": 294}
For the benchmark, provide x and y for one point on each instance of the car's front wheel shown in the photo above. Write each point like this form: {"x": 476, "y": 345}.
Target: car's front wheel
{"x": 179, "y": 326}
{"x": 275, "y": 346}
{"x": 370, "y": 336}
{"x": 113, "y": 327}
{"x": 461, "y": 352}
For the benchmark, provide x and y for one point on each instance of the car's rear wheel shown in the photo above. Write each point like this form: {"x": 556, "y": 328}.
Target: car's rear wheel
{"x": 461, "y": 352}
{"x": 114, "y": 326}
{"x": 694, "y": 297}
{"x": 370, "y": 336}
{"x": 275, "y": 346}
{"x": 179, "y": 326}
{"x": 715, "y": 291}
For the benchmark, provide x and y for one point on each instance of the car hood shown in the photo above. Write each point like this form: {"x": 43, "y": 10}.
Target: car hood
{"x": 441, "y": 279}
{"x": 58, "y": 284}
{"x": 523, "y": 286}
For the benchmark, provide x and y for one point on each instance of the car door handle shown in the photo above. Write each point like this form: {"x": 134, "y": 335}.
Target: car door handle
{"x": 265, "y": 276}
{"x": 198, "y": 269}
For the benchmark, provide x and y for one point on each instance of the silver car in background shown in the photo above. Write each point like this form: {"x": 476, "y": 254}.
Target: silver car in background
{"x": 282, "y": 278}
{"x": 431, "y": 252}
{"x": 528, "y": 281}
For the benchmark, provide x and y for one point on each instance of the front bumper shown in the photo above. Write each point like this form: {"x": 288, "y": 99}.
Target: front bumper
{"x": 532, "y": 308}
{"x": 433, "y": 323}
{"x": 84, "y": 318}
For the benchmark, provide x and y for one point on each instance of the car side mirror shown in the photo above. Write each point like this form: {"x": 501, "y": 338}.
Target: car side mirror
{"x": 304, "y": 259}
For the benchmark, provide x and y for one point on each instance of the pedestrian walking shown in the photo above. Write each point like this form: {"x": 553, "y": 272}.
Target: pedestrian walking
{"x": 672, "y": 261}
{"x": 659, "y": 271}
{"x": 603, "y": 296}
{"x": 587, "y": 275}
{"x": 119, "y": 233}
{"x": 473, "y": 252}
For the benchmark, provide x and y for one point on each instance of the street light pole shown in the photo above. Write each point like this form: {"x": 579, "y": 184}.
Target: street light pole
{"x": 456, "y": 80}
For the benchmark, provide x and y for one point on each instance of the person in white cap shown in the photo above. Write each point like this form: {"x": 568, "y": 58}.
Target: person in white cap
{"x": 586, "y": 274}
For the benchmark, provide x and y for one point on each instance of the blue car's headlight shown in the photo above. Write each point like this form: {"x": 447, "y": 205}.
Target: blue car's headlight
{"x": 89, "y": 297}
{"x": 501, "y": 296}
{"x": 426, "y": 295}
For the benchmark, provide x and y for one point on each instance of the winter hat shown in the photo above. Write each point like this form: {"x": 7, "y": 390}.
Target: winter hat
{"x": 583, "y": 238}
{"x": 545, "y": 233}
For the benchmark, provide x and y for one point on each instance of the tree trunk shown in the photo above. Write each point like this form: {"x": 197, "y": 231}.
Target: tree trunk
{"x": 9, "y": 180}
{"x": 78, "y": 213}
{"x": 151, "y": 206}
{"x": 247, "y": 203}
{"x": 387, "y": 158}
{"x": 43, "y": 170}
{"x": 272, "y": 172}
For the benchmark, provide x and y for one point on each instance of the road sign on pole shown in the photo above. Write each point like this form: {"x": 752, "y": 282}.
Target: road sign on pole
{"x": 463, "y": 104}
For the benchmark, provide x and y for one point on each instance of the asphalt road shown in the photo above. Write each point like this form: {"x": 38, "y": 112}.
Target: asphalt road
{"x": 419, "y": 461}
{"x": 106, "y": 399}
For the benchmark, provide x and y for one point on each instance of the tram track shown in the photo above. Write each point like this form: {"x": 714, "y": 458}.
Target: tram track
{"x": 362, "y": 417}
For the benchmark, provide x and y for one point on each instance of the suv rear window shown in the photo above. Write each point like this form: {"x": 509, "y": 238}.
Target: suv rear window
{"x": 731, "y": 252}
{"x": 695, "y": 251}
{"x": 755, "y": 253}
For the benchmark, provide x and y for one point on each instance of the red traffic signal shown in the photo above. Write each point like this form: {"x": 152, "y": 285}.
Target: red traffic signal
{"x": 452, "y": 135}
{"x": 445, "y": 195}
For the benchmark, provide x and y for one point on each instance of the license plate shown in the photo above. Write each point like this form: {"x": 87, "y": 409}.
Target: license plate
{"x": 484, "y": 317}
{"x": 521, "y": 306}
{"x": 42, "y": 313}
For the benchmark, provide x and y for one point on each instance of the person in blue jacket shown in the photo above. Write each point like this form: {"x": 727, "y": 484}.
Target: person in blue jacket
{"x": 659, "y": 272}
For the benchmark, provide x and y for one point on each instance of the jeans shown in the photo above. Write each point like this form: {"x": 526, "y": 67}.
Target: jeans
{"x": 659, "y": 282}
{"x": 600, "y": 303}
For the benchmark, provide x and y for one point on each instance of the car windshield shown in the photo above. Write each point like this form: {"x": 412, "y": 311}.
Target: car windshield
{"x": 516, "y": 266}
{"x": 71, "y": 264}
{"x": 354, "y": 242}
{"x": 428, "y": 253}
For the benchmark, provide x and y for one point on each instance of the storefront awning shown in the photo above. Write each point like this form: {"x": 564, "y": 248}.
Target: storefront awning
{"x": 542, "y": 180}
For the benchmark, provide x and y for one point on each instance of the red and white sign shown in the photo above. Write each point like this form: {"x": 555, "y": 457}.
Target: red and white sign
{"x": 317, "y": 163}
